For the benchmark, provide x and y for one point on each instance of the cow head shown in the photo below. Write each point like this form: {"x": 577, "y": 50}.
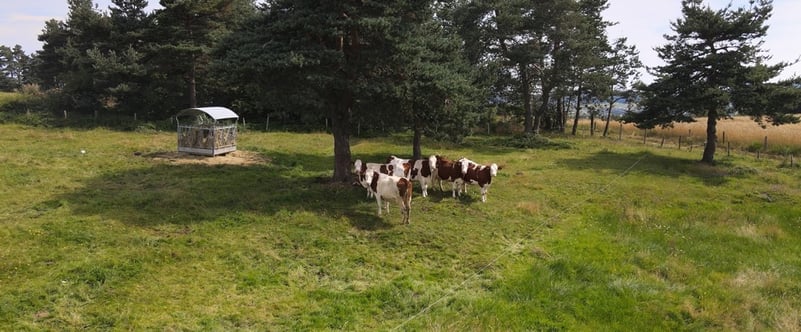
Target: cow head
{"x": 432, "y": 163}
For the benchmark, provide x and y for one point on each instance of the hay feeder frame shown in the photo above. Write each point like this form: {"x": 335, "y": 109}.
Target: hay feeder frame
{"x": 207, "y": 131}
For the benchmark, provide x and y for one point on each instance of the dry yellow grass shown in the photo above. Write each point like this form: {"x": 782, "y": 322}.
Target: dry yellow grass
{"x": 740, "y": 131}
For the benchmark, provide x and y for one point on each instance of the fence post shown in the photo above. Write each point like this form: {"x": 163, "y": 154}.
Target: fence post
{"x": 662, "y": 143}
{"x": 679, "y": 142}
{"x": 728, "y": 149}
{"x": 724, "y": 137}
{"x": 644, "y": 135}
{"x": 65, "y": 114}
{"x": 765, "y": 145}
{"x": 620, "y": 132}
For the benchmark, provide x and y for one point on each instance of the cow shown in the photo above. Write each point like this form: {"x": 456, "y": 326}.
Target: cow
{"x": 448, "y": 170}
{"x": 420, "y": 170}
{"x": 361, "y": 168}
{"x": 474, "y": 173}
{"x": 390, "y": 187}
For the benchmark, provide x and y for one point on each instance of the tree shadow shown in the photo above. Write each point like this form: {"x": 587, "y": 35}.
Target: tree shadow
{"x": 166, "y": 193}
{"x": 646, "y": 162}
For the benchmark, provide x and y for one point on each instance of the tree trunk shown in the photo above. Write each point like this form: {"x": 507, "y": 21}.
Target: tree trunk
{"x": 525, "y": 90}
{"x": 191, "y": 82}
{"x": 711, "y": 138}
{"x": 340, "y": 128}
{"x": 578, "y": 110}
{"x": 545, "y": 98}
{"x": 560, "y": 114}
{"x": 416, "y": 151}
{"x": 608, "y": 118}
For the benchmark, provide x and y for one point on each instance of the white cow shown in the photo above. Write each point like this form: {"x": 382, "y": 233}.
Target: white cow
{"x": 361, "y": 168}
{"x": 390, "y": 187}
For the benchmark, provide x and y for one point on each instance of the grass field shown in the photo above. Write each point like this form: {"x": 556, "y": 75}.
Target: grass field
{"x": 585, "y": 234}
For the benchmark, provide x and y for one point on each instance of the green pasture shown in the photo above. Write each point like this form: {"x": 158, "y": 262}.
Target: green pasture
{"x": 578, "y": 234}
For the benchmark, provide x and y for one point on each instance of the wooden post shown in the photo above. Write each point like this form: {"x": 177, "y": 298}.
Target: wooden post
{"x": 620, "y": 132}
{"x": 662, "y": 143}
{"x": 728, "y": 149}
{"x": 644, "y": 135}
{"x": 757, "y": 154}
{"x": 724, "y": 137}
{"x": 765, "y": 145}
{"x": 267, "y": 125}
{"x": 65, "y": 114}
{"x": 679, "y": 142}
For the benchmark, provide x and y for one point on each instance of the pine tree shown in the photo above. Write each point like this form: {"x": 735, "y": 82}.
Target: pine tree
{"x": 332, "y": 59}
{"x": 538, "y": 47}
{"x": 186, "y": 35}
{"x": 120, "y": 60}
{"x": 715, "y": 67}
{"x": 14, "y": 68}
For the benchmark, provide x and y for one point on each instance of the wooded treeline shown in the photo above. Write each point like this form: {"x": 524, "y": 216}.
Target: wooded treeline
{"x": 436, "y": 68}
{"x": 432, "y": 64}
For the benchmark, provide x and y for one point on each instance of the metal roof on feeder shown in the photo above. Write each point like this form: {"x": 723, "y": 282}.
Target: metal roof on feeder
{"x": 215, "y": 112}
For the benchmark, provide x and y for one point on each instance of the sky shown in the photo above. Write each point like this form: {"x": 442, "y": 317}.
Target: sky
{"x": 643, "y": 22}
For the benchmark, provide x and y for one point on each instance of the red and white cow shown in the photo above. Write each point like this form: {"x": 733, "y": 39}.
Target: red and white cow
{"x": 420, "y": 170}
{"x": 361, "y": 168}
{"x": 474, "y": 173}
{"x": 451, "y": 171}
{"x": 390, "y": 187}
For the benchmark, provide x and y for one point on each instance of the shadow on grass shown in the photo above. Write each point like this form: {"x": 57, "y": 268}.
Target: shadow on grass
{"x": 648, "y": 163}
{"x": 190, "y": 193}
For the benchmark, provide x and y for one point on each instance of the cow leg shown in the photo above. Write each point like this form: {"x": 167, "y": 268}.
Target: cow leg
{"x": 484, "y": 190}
{"x": 424, "y": 185}
{"x": 378, "y": 201}
{"x": 406, "y": 207}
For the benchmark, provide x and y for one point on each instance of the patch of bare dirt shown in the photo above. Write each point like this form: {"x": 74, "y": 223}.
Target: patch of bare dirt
{"x": 242, "y": 158}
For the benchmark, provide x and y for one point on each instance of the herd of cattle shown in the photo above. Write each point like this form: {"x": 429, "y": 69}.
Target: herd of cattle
{"x": 392, "y": 180}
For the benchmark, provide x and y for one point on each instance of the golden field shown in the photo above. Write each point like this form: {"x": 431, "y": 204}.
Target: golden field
{"x": 740, "y": 132}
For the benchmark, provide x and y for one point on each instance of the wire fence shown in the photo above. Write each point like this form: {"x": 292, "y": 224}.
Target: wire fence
{"x": 727, "y": 144}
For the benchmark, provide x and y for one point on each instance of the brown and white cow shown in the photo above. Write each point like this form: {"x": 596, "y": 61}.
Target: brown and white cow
{"x": 450, "y": 171}
{"x": 420, "y": 170}
{"x": 474, "y": 173}
{"x": 390, "y": 187}
{"x": 361, "y": 168}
